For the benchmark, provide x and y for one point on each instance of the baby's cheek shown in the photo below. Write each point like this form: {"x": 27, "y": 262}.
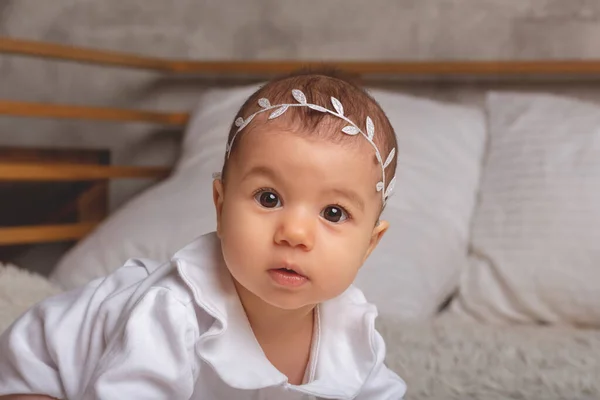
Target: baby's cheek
{"x": 239, "y": 228}
{"x": 340, "y": 273}
{"x": 244, "y": 240}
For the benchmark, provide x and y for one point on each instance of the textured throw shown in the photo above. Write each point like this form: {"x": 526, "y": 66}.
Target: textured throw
{"x": 450, "y": 358}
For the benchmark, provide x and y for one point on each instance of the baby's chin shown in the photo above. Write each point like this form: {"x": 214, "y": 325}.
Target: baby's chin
{"x": 289, "y": 304}
{"x": 293, "y": 301}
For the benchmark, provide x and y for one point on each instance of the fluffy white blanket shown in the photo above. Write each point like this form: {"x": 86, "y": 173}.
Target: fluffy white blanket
{"x": 443, "y": 359}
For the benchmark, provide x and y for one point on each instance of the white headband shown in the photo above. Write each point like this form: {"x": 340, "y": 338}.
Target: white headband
{"x": 351, "y": 129}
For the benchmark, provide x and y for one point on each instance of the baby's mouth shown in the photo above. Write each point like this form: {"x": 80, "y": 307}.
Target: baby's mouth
{"x": 289, "y": 271}
{"x": 287, "y": 276}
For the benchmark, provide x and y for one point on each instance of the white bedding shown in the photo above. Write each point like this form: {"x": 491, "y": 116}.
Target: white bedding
{"x": 536, "y": 230}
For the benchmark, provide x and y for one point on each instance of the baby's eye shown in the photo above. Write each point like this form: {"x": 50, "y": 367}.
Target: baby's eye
{"x": 334, "y": 214}
{"x": 267, "y": 199}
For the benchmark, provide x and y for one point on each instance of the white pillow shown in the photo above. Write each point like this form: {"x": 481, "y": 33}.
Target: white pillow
{"x": 164, "y": 218}
{"x": 536, "y": 233}
{"x": 418, "y": 262}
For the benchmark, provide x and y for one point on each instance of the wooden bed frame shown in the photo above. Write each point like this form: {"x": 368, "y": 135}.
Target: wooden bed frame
{"x": 36, "y": 170}
{"x": 67, "y": 208}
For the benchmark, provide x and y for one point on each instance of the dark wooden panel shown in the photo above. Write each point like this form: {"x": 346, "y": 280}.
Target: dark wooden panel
{"x": 69, "y": 208}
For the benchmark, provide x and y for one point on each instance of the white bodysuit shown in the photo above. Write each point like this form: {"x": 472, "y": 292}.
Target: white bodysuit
{"x": 178, "y": 331}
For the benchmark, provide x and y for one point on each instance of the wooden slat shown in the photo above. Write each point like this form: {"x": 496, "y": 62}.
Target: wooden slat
{"x": 44, "y": 233}
{"x": 399, "y": 68}
{"x": 382, "y": 67}
{"x": 46, "y": 110}
{"x": 54, "y": 155}
{"x": 80, "y": 54}
{"x": 67, "y": 172}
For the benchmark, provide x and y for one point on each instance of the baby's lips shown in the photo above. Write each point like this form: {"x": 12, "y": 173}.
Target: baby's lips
{"x": 293, "y": 267}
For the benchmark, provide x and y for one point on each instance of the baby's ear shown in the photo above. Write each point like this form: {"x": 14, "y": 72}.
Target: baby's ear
{"x": 378, "y": 232}
{"x": 218, "y": 200}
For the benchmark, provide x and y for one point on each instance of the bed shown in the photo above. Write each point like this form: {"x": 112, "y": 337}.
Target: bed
{"x": 446, "y": 336}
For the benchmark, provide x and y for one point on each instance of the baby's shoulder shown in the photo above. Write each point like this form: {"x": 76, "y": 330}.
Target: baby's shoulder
{"x": 137, "y": 278}
{"x": 140, "y": 287}
{"x": 164, "y": 286}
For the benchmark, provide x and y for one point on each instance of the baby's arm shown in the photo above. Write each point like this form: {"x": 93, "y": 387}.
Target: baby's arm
{"x": 54, "y": 347}
{"x": 38, "y": 348}
{"x": 118, "y": 337}
{"x": 150, "y": 356}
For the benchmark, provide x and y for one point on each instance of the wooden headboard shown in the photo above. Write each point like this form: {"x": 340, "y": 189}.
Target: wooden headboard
{"x": 33, "y": 170}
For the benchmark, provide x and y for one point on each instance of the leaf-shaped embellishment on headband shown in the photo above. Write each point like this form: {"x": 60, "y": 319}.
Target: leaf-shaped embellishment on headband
{"x": 317, "y": 108}
{"x": 350, "y": 130}
{"x": 247, "y": 121}
{"x": 379, "y": 186}
{"x": 279, "y": 111}
{"x": 299, "y": 96}
{"x": 389, "y": 158}
{"x": 264, "y": 103}
{"x": 337, "y": 105}
{"x": 370, "y": 128}
{"x": 239, "y": 121}
{"x": 390, "y": 188}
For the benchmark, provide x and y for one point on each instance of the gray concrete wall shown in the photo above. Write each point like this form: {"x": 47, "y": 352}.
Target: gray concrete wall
{"x": 257, "y": 29}
{"x": 404, "y": 29}
{"x": 251, "y": 29}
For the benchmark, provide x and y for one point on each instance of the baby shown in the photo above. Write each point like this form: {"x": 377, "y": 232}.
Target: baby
{"x": 263, "y": 308}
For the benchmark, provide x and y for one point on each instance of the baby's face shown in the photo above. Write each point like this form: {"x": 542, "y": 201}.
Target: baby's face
{"x": 297, "y": 215}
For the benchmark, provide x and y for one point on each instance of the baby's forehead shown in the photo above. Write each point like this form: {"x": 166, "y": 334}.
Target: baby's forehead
{"x": 306, "y": 167}
{"x": 324, "y": 131}
{"x": 306, "y": 150}
{"x": 316, "y": 122}
{"x": 323, "y": 145}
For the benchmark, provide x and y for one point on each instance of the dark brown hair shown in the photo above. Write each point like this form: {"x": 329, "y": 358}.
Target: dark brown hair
{"x": 319, "y": 85}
